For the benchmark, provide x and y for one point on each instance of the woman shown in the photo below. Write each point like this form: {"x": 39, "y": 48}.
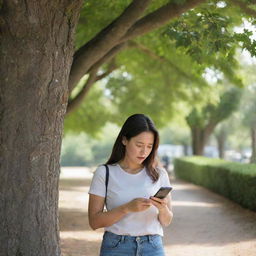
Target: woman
{"x": 134, "y": 218}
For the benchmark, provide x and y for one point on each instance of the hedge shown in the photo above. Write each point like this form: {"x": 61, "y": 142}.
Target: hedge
{"x": 233, "y": 180}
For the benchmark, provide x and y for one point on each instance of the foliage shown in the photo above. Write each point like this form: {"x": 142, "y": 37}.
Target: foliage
{"x": 248, "y": 106}
{"x": 91, "y": 116}
{"x": 95, "y": 15}
{"x": 81, "y": 149}
{"x": 207, "y": 35}
{"x": 176, "y": 134}
{"x": 76, "y": 150}
{"x": 215, "y": 113}
{"x": 163, "y": 70}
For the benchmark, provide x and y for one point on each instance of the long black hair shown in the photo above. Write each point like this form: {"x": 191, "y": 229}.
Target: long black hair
{"x": 132, "y": 127}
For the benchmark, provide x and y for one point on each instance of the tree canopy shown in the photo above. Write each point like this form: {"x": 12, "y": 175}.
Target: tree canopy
{"x": 161, "y": 58}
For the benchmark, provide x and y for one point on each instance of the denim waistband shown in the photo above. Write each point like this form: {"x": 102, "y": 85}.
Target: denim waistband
{"x": 127, "y": 237}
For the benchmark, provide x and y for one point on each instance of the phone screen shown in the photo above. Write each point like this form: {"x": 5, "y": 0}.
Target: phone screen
{"x": 163, "y": 192}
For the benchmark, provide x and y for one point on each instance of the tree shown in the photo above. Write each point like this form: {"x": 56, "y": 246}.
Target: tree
{"x": 223, "y": 131}
{"x": 160, "y": 64}
{"x": 216, "y": 43}
{"x": 248, "y": 108}
{"x": 253, "y": 137}
{"x": 221, "y": 136}
{"x": 35, "y": 60}
{"x": 114, "y": 37}
{"x": 202, "y": 122}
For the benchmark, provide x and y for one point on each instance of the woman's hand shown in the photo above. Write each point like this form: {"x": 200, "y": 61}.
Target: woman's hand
{"x": 165, "y": 210}
{"x": 161, "y": 204}
{"x": 138, "y": 205}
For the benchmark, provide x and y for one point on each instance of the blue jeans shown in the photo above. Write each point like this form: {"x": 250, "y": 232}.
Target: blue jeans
{"x": 118, "y": 245}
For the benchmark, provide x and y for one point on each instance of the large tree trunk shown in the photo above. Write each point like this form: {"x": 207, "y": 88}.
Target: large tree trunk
{"x": 35, "y": 59}
{"x": 253, "y": 139}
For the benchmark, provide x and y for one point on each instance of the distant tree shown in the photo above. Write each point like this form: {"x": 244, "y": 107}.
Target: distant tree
{"x": 253, "y": 139}
{"x": 203, "y": 122}
{"x": 221, "y": 135}
{"x": 223, "y": 131}
{"x": 249, "y": 119}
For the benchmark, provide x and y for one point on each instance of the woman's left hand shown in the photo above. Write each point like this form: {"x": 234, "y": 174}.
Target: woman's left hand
{"x": 161, "y": 204}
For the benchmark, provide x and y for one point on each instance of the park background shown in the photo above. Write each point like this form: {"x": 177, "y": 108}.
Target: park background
{"x": 73, "y": 71}
{"x": 201, "y": 95}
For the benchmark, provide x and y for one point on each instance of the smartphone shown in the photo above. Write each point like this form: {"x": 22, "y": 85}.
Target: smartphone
{"x": 163, "y": 192}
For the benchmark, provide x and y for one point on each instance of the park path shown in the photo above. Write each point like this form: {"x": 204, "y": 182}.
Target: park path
{"x": 204, "y": 224}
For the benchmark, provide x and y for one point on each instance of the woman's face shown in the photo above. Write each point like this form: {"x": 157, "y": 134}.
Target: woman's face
{"x": 138, "y": 148}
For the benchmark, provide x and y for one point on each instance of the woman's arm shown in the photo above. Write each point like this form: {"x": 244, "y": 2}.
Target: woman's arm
{"x": 99, "y": 219}
{"x": 165, "y": 209}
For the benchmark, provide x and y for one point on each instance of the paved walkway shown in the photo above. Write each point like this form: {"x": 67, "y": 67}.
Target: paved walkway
{"x": 204, "y": 224}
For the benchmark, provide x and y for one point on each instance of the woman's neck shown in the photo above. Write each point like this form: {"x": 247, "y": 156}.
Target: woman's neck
{"x": 130, "y": 167}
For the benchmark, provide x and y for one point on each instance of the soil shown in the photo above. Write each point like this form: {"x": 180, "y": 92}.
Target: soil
{"x": 204, "y": 223}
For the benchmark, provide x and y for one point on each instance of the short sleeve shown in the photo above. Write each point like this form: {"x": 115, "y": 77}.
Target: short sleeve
{"x": 98, "y": 186}
{"x": 165, "y": 181}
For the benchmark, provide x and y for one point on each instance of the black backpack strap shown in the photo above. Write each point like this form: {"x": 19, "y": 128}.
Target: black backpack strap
{"x": 106, "y": 182}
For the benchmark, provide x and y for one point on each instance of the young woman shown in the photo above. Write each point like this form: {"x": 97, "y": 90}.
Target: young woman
{"x": 134, "y": 218}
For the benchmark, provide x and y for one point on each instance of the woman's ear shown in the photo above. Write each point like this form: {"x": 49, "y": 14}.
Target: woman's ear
{"x": 124, "y": 141}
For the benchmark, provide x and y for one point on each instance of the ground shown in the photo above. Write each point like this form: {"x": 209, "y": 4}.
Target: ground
{"x": 204, "y": 224}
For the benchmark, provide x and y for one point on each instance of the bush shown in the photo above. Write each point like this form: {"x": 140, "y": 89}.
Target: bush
{"x": 235, "y": 181}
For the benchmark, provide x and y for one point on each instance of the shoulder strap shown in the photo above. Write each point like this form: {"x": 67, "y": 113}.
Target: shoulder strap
{"x": 106, "y": 182}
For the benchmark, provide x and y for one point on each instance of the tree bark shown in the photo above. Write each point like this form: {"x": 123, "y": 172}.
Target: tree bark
{"x": 74, "y": 103}
{"x": 198, "y": 141}
{"x": 200, "y": 137}
{"x": 35, "y": 58}
{"x": 253, "y": 139}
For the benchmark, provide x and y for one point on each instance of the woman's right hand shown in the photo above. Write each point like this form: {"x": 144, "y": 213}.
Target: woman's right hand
{"x": 138, "y": 205}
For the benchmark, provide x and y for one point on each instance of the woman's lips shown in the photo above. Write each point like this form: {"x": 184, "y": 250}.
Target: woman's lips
{"x": 141, "y": 158}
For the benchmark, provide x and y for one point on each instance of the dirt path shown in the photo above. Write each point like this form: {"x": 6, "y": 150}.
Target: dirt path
{"x": 205, "y": 224}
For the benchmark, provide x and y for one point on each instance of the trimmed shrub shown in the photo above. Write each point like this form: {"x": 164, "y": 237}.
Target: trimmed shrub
{"x": 235, "y": 181}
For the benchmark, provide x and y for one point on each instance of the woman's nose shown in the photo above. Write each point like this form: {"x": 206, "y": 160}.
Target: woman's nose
{"x": 143, "y": 150}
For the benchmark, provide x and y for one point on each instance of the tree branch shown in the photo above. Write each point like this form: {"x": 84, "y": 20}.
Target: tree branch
{"x": 159, "y": 18}
{"x": 72, "y": 104}
{"x": 112, "y": 66}
{"x": 111, "y": 40}
{"x": 243, "y": 6}
{"x": 96, "y": 48}
{"x": 106, "y": 58}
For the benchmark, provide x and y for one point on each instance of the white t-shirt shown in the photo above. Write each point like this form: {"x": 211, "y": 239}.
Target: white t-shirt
{"x": 124, "y": 187}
